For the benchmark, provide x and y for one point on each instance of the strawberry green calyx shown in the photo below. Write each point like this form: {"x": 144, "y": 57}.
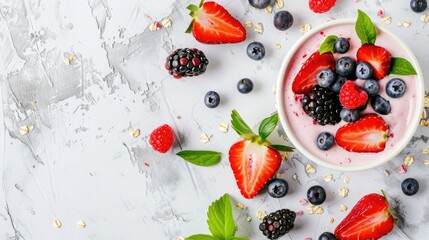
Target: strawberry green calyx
{"x": 194, "y": 13}
{"x": 388, "y": 212}
{"x": 242, "y": 129}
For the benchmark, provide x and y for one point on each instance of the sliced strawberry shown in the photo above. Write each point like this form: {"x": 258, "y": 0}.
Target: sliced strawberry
{"x": 378, "y": 57}
{"x": 305, "y": 80}
{"x": 370, "y": 218}
{"x": 213, "y": 24}
{"x": 253, "y": 165}
{"x": 368, "y": 134}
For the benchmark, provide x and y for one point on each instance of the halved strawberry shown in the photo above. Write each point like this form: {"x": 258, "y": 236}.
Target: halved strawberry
{"x": 370, "y": 218}
{"x": 254, "y": 160}
{"x": 368, "y": 134}
{"x": 305, "y": 80}
{"x": 378, "y": 57}
{"x": 213, "y": 24}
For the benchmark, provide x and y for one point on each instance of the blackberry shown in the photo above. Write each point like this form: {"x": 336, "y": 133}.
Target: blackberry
{"x": 323, "y": 105}
{"x": 277, "y": 223}
{"x": 186, "y": 62}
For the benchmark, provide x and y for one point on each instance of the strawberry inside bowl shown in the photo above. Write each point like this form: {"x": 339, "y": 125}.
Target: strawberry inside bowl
{"x": 386, "y": 121}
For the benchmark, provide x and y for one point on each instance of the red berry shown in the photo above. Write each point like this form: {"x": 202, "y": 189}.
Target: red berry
{"x": 321, "y": 6}
{"x": 352, "y": 96}
{"x": 162, "y": 138}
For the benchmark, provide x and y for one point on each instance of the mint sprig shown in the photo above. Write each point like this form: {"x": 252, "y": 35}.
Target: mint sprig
{"x": 365, "y": 29}
{"x": 401, "y": 66}
{"x": 220, "y": 221}
{"x": 202, "y": 158}
{"x": 328, "y": 45}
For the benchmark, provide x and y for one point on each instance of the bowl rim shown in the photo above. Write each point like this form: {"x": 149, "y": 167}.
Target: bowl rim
{"x": 400, "y": 145}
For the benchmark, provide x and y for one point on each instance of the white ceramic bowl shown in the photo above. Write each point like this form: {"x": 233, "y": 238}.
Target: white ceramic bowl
{"x": 399, "y": 145}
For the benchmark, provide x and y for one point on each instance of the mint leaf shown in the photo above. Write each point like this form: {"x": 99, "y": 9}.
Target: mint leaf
{"x": 238, "y": 124}
{"x": 201, "y": 237}
{"x": 282, "y": 148}
{"x": 328, "y": 44}
{"x": 365, "y": 28}
{"x": 268, "y": 125}
{"x": 201, "y": 158}
{"x": 220, "y": 219}
{"x": 401, "y": 66}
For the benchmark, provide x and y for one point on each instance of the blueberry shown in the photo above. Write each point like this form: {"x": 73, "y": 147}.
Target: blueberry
{"x": 283, "y": 20}
{"x": 345, "y": 66}
{"x": 327, "y": 236}
{"x": 342, "y": 45}
{"x": 371, "y": 87}
{"x": 260, "y": 4}
{"x": 395, "y": 88}
{"x": 316, "y": 195}
{"x": 364, "y": 70}
{"x": 380, "y": 105}
{"x": 256, "y": 51}
{"x": 245, "y": 85}
{"x": 277, "y": 188}
{"x": 325, "y": 141}
{"x": 212, "y": 99}
{"x": 349, "y": 115}
{"x": 410, "y": 186}
{"x": 418, "y": 6}
{"x": 325, "y": 78}
{"x": 338, "y": 84}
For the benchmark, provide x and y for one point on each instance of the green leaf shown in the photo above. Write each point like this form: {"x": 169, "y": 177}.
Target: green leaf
{"x": 401, "y": 66}
{"x": 239, "y": 238}
{"x": 238, "y": 124}
{"x": 201, "y": 158}
{"x": 193, "y": 8}
{"x": 220, "y": 219}
{"x": 268, "y": 125}
{"x": 282, "y": 148}
{"x": 328, "y": 44}
{"x": 201, "y": 237}
{"x": 365, "y": 28}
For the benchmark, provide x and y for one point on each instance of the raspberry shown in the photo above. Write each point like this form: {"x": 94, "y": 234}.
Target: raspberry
{"x": 352, "y": 96}
{"x": 321, "y": 6}
{"x": 162, "y": 138}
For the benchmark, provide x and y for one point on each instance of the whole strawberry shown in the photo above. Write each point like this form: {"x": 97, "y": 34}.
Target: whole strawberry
{"x": 321, "y": 6}
{"x": 162, "y": 138}
{"x": 370, "y": 218}
{"x": 212, "y": 24}
{"x": 254, "y": 160}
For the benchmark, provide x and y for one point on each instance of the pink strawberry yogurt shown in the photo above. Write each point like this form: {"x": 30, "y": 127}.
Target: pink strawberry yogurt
{"x": 401, "y": 120}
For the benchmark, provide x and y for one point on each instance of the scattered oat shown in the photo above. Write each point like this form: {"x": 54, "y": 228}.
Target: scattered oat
{"x": 311, "y": 205}
{"x": 57, "y": 223}
{"x": 426, "y": 162}
{"x": 155, "y": 26}
{"x": 318, "y": 210}
{"x": 248, "y": 24}
{"x": 346, "y": 180}
{"x": 279, "y": 4}
{"x": 407, "y": 23}
{"x": 424, "y": 123}
{"x": 399, "y": 24}
{"x": 331, "y": 220}
{"x": 81, "y": 224}
{"x": 386, "y": 173}
{"x": 274, "y": 89}
{"x": 310, "y": 210}
{"x": 424, "y": 18}
{"x": 309, "y": 168}
{"x": 343, "y": 208}
{"x": 134, "y": 132}
{"x": 277, "y": 175}
{"x": 277, "y": 45}
{"x": 285, "y": 155}
{"x": 204, "y": 138}
{"x": 402, "y": 169}
{"x": 299, "y": 213}
{"x": 66, "y": 61}
{"x": 259, "y": 28}
{"x": 269, "y": 9}
{"x": 166, "y": 22}
{"x": 223, "y": 127}
{"x": 408, "y": 160}
{"x": 343, "y": 192}
{"x": 26, "y": 129}
{"x": 424, "y": 114}
{"x": 180, "y": 238}
{"x": 303, "y": 202}
{"x": 249, "y": 219}
{"x": 295, "y": 177}
{"x": 327, "y": 177}
{"x": 239, "y": 206}
{"x": 387, "y": 20}
{"x": 427, "y": 101}
{"x": 72, "y": 58}
{"x": 261, "y": 214}
{"x": 425, "y": 151}
{"x": 305, "y": 28}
